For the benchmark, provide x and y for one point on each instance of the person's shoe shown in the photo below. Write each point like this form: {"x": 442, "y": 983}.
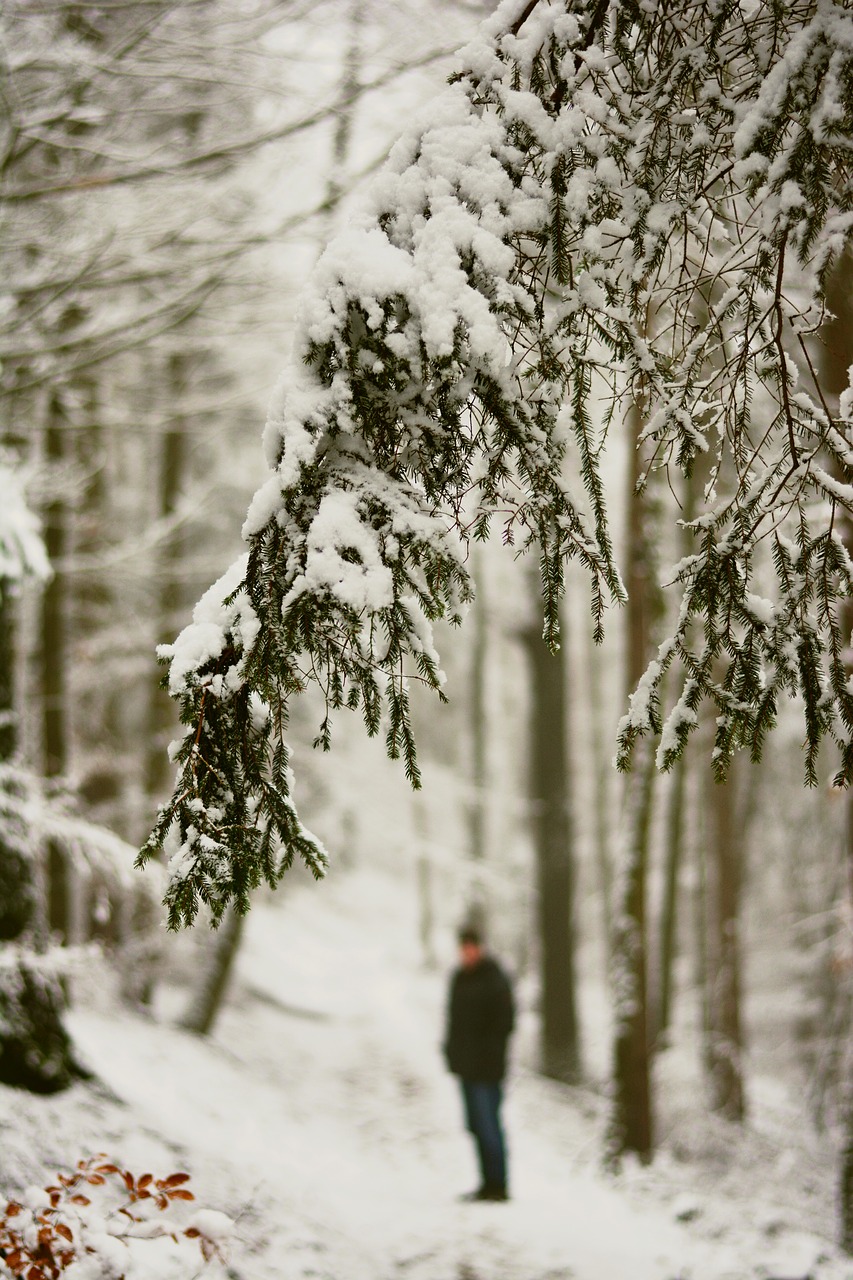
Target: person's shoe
{"x": 486, "y": 1193}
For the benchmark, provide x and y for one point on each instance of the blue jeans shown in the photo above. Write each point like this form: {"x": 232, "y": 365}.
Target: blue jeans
{"x": 482, "y": 1101}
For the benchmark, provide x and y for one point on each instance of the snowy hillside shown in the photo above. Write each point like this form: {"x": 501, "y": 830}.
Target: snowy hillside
{"x": 320, "y": 1118}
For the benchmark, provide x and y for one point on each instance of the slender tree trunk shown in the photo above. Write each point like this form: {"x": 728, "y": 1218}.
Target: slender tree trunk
{"x": 675, "y": 815}
{"x": 54, "y": 658}
{"x": 845, "y": 1173}
{"x": 836, "y": 359}
{"x": 550, "y": 792}
{"x": 724, "y": 1050}
{"x": 699, "y": 911}
{"x": 602, "y": 773}
{"x": 426, "y": 914}
{"x": 631, "y": 1127}
{"x": 174, "y": 458}
{"x": 55, "y": 605}
{"x": 344, "y": 116}
{"x": 210, "y": 994}
{"x": 478, "y": 908}
{"x": 426, "y": 911}
{"x": 98, "y": 710}
{"x": 674, "y": 837}
{"x": 8, "y": 725}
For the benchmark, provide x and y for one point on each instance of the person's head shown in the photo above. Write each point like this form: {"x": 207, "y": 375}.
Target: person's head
{"x": 470, "y": 947}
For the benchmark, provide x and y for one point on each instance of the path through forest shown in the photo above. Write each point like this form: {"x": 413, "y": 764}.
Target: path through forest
{"x": 321, "y": 1117}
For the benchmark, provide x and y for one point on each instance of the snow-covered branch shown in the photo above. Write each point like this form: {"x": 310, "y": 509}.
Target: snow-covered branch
{"x": 610, "y": 207}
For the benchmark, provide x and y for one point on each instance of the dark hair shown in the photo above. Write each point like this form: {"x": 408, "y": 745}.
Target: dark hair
{"x": 470, "y": 935}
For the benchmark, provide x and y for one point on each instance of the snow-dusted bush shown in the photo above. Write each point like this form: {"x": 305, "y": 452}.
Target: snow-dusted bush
{"x": 35, "y": 1049}
{"x": 95, "y": 1223}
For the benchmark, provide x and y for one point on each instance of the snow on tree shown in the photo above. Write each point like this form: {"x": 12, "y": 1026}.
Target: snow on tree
{"x": 22, "y": 553}
{"x": 36, "y": 1052}
{"x": 35, "y": 1049}
{"x": 22, "y": 556}
{"x": 612, "y": 208}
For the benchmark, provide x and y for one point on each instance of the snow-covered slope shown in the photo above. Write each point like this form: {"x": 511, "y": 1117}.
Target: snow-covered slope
{"x": 319, "y": 1116}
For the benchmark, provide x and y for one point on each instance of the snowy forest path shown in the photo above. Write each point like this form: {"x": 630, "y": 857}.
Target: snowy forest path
{"x": 337, "y": 1137}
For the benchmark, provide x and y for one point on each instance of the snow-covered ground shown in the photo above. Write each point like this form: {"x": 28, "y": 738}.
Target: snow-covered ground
{"x": 319, "y": 1116}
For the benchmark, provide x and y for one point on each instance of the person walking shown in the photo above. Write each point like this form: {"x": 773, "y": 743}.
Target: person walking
{"x": 480, "y": 1018}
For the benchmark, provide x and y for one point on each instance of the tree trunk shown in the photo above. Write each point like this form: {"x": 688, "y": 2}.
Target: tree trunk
{"x": 100, "y": 692}
{"x": 345, "y": 114}
{"x": 207, "y": 1001}
{"x": 835, "y": 361}
{"x": 631, "y": 1127}
{"x": 674, "y": 837}
{"x": 845, "y": 1173}
{"x": 550, "y": 791}
{"x": 55, "y": 604}
{"x": 426, "y": 911}
{"x": 8, "y": 725}
{"x": 54, "y": 658}
{"x": 601, "y": 793}
{"x": 162, "y": 722}
{"x": 675, "y": 815}
{"x": 477, "y": 911}
{"x": 724, "y": 1049}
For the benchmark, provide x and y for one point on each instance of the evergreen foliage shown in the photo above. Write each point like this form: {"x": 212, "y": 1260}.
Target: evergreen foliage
{"x": 17, "y": 892}
{"x": 613, "y": 207}
{"x": 36, "y": 1053}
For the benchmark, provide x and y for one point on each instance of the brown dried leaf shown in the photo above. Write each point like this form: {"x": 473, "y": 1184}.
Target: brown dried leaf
{"x": 65, "y": 1231}
{"x": 78, "y": 1199}
{"x": 180, "y": 1194}
{"x": 173, "y": 1180}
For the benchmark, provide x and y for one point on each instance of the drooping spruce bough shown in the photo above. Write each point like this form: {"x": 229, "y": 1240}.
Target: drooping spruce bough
{"x": 612, "y": 207}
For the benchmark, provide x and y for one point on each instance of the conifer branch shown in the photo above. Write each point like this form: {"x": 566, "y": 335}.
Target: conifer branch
{"x": 569, "y": 226}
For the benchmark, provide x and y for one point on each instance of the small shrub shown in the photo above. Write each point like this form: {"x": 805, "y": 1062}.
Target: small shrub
{"x": 84, "y": 1226}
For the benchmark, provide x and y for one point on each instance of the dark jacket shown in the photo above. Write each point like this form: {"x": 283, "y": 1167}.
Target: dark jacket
{"x": 480, "y": 1017}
